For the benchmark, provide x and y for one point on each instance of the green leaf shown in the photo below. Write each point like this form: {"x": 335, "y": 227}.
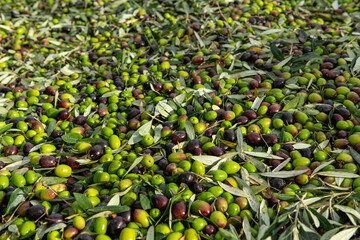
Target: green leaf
{"x": 283, "y": 174}
{"x": 145, "y": 202}
{"x": 345, "y": 234}
{"x": 235, "y": 191}
{"x": 276, "y": 52}
{"x": 17, "y": 197}
{"x": 190, "y": 130}
{"x": 324, "y": 222}
{"x": 355, "y": 155}
{"x": 83, "y": 201}
{"x": 157, "y": 133}
{"x": 114, "y": 209}
{"x": 306, "y": 56}
{"x": 53, "y": 180}
{"x": 291, "y": 104}
{"x": 54, "y": 227}
{"x": 142, "y": 131}
{"x": 206, "y": 160}
{"x": 150, "y": 235}
{"x": 228, "y": 235}
{"x": 51, "y": 127}
{"x": 340, "y": 174}
{"x": 329, "y": 234}
{"x": 72, "y": 138}
{"x": 5, "y": 128}
{"x": 135, "y": 163}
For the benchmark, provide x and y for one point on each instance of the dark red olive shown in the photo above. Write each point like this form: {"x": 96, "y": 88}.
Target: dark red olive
{"x": 178, "y": 136}
{"x": 287, "y": 117}
{"x": 10, "y": 150}
{"x": 242, "y": 120}
{"x": 271, "y": 139}
{"x": 48, "y": 161}
{"x": 116, "y": 225}
{"x": 126, "y": 216}
{"x": 27, "y": 148}
{"x": 186, "y": 177}
{"x": 253, "y": 138}
{"x": 198, "y": 187}
{"x": 192, "y": 145}
{"x": 337, "y": 117}
{"x": 230, "y": 135}
{"x": 80, "y": 120}
{"x": 278, "y": 83}
{"x": 210, "y": 229}
{"x": 64, "y": 114}
{"x": 215, "y": 151}
{"x": 346, "y": 114}
{"x": 282, "y": 154}
{"x": 179, "y": 210}
{"x": 35, "y": 212}
{"x": 96, "y": 152}
{"x": 250, "y": 114}
{"x": 160, "y": 201}
{"x": 274, "y": 108}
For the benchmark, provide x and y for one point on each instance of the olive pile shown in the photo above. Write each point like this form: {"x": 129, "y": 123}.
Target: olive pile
{"x": 177, "y": 120}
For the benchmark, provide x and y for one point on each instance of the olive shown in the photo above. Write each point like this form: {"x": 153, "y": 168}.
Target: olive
{"x": 179, "y": 210}
{"x": 48, "y": 161}
{"x": 35, "y": 212}
{"x": 186, "y": 177}
{"x": 253, "y": 138}
{"x": 116, "y": 225}
{"x": 96, "y": 152}
{"x": 178, "y": 136}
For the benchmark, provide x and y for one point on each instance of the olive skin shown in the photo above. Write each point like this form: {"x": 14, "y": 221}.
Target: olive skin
{"x": 35, "y": 212}
{"x": 179, "y": 210}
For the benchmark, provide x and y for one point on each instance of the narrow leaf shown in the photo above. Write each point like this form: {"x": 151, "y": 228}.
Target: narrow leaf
{"x": 190, "y": 130}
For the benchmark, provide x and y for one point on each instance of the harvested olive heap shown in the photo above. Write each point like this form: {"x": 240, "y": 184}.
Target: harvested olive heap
{"x": 164, "y": 119}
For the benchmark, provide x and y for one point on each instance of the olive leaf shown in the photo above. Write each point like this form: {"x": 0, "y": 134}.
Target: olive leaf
{"x": 262, "y": 155}
{"x": 145, "y": 202}
{"x": 256, "y": 104}
{"x": 135, "y": 163}
{"x": 292, "y": 104}
{"x": 299, "y": 146}
{"x": 157, "y": 133}
{"x": 349, "y": 210}
{"x": 227, "y": 235}
{"x": 16, "y": 198}
{"x": 53, "y": 180}
{"x": 71, "y": 138}
{"x": 283, "y": 174}
{"x": 138, "y": 135}
{"x": 206, "y": 160}
{"x": 345, "y": 234}
{"x": 51, "y": 127}
{"x": 190, "y": 130}
{"x": 355, "y": 155}
{"x": 324, "y": 222}
{"x": 276, "y": 52}
{"x": 114, "y": 201}
{"x": 150, "y": 235}
{"x": 113, "y": 209}
{"x": 54, "y": 227}
{"x": 235, "y": 191}
{"x": 83, "y": 201}
{"x": 282, "y": 165}
{"x": 340, "y": 174}
{"x": 253, "y": 201}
